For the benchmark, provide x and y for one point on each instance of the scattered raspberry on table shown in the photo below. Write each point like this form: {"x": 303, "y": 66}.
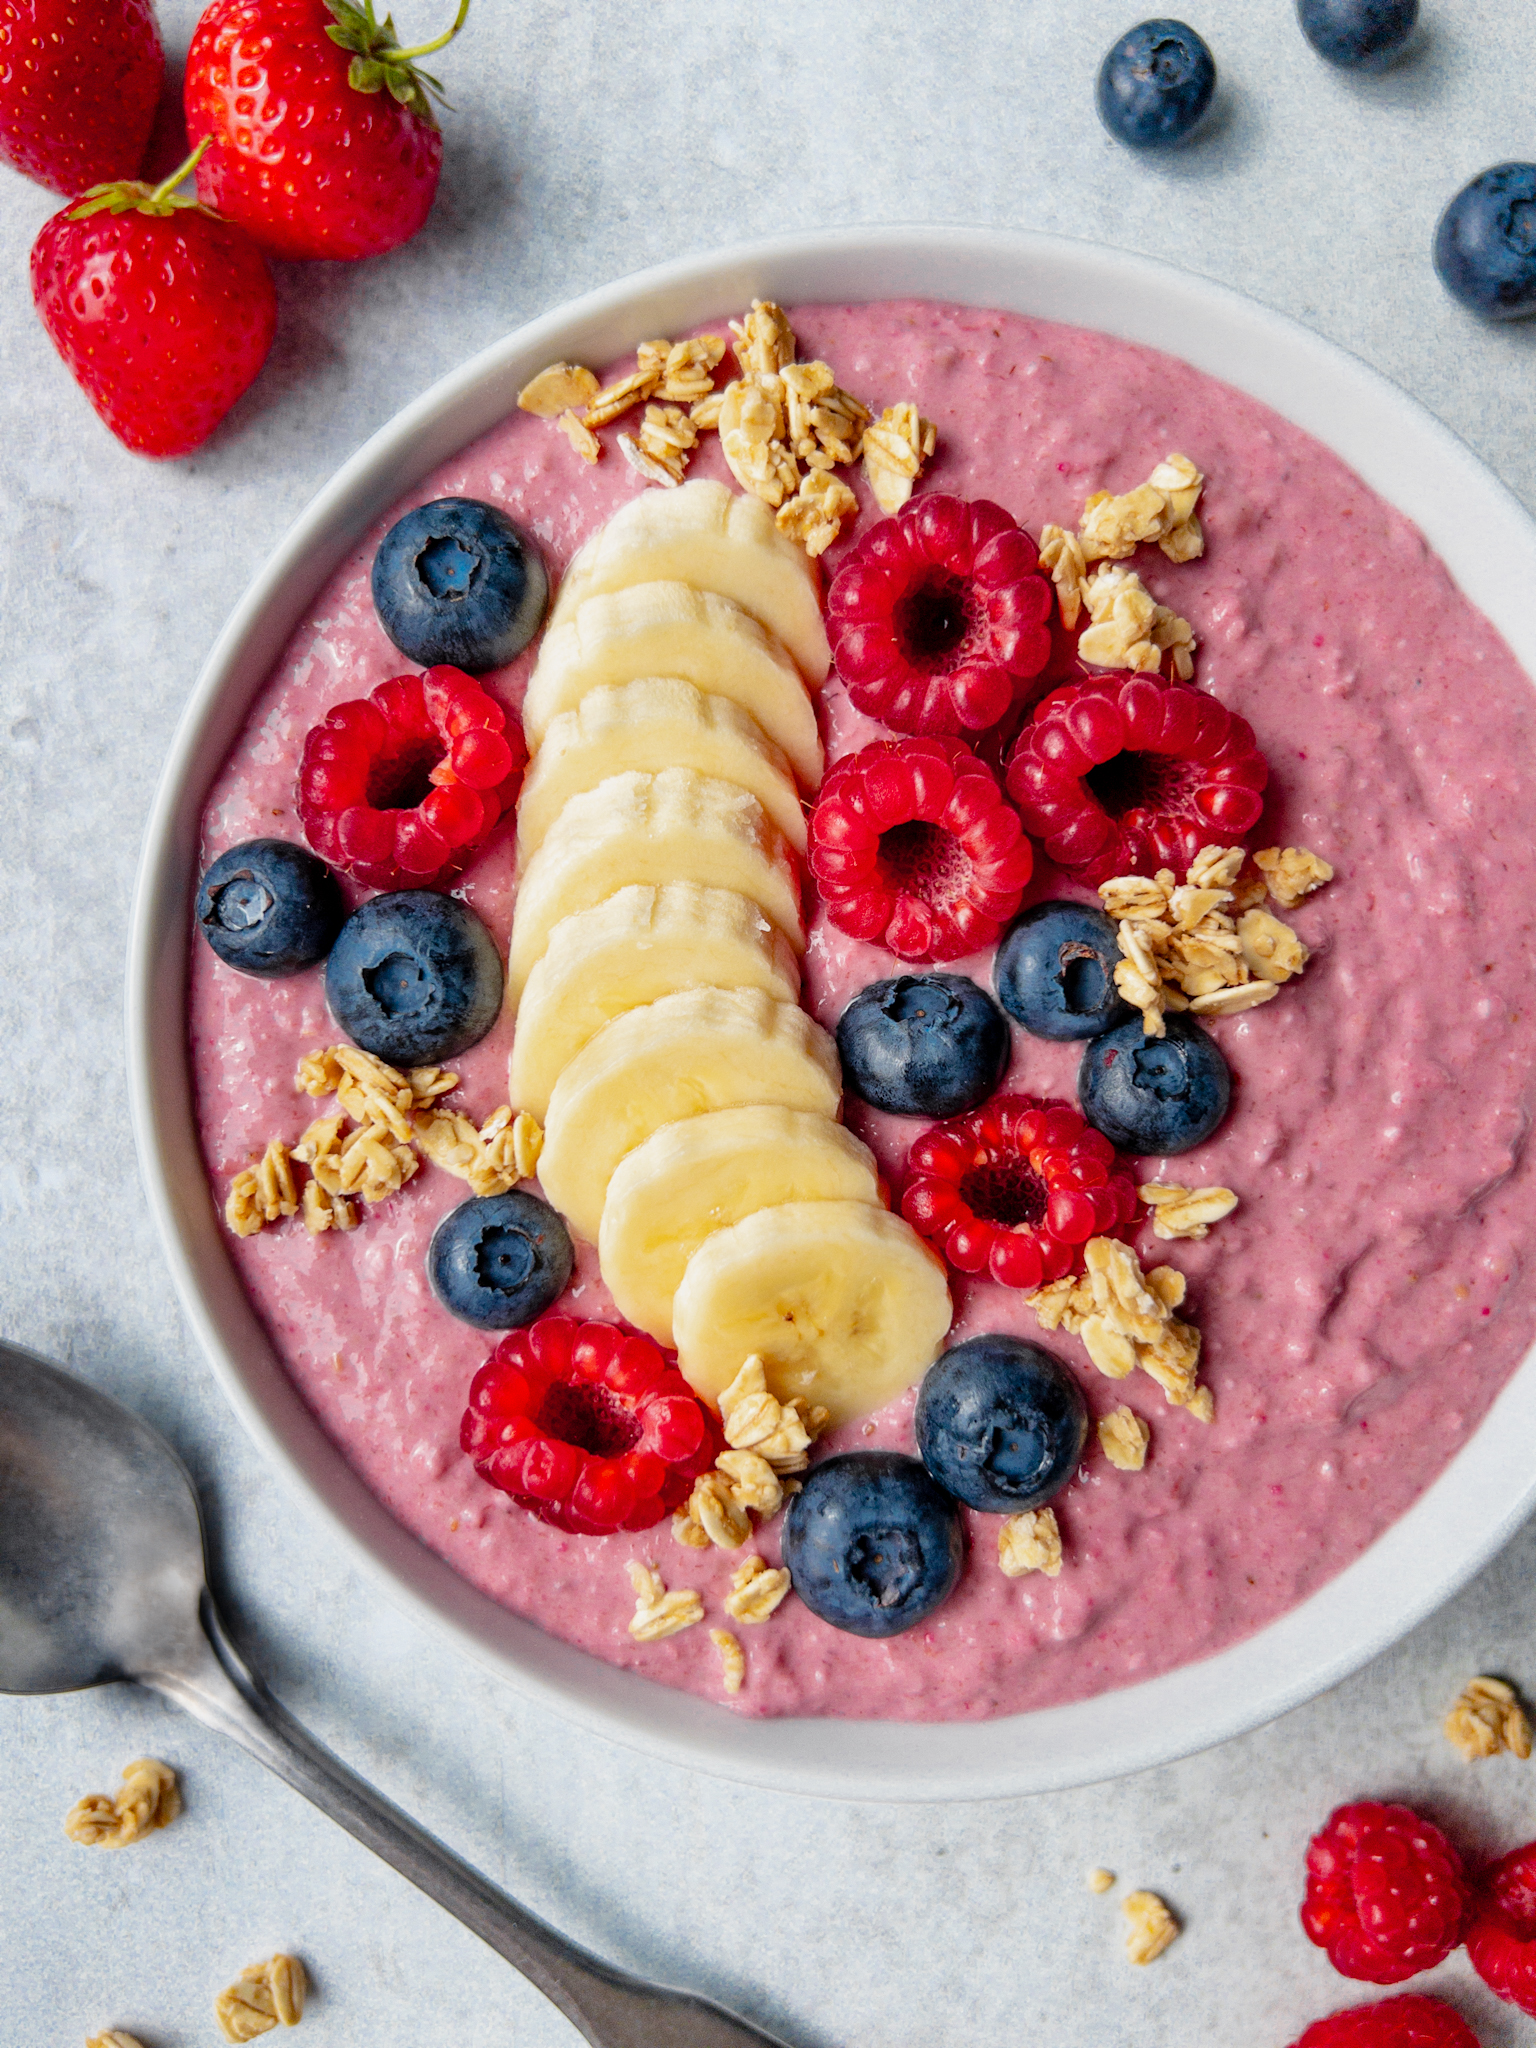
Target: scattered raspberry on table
{"x": 1386, "y": 1894}
{"x": 1501, "y": 1928}
{"x": 1407, "y": 2022}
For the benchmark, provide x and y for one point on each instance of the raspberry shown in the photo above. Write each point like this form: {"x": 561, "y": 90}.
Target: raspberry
{"x": 1128, "y": 773}
{"x": 1016, "y": 1189}
{"x": 939, "y": 615}
{"x": 403, "y": 787}
{"x": 1386, "y": 1895}
{"x": 913, "y": 845}
{"x": 1501, "y": 1928}
{"x": 1411, "y": 2021}
{"x": 587, "y": 1426}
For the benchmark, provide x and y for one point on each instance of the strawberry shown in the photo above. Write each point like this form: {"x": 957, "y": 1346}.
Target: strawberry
{"x": 163, "y": 312}
{"x": 78, "y": 89}
{"x": 327, "y": 144}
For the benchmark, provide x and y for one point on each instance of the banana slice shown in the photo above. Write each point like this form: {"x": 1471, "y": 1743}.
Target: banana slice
{"x": 715, "y": 539}
{"x": 625, "y": 952}
{"x": 843, "y": 1302}
{"x": 671, "y": 629}
{"x": 652, "y": 723}
{"x": 675, "y": 826}
{"x": 690, "y": 1179}
{"x": 698, "y": 1050}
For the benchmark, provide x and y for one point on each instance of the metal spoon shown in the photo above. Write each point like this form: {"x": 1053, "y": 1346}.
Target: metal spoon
{"x": 103, "y": 1577}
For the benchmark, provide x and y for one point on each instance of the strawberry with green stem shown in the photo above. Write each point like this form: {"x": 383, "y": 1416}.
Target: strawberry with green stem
{"x": 162, "y": 312}
{"x": 327, "y": 143}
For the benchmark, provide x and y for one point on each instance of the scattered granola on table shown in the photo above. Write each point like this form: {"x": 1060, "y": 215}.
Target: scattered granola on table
{"x": 268, "y": 1995}
{"x": 1150, "y": 1926}
{"x": 149, "y": 1798}
{"x": 1488, "y": 1720}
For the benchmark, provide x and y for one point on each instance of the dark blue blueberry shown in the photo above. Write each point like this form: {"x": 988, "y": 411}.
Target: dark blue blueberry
{"x": 1001, "y": 1424}
{"x": 1055, "y": 972}
{"x": 414, "y": 978}
{"x": 269, "y": 908}
{"x": 1153, "y": 1096}
{"x": 923, "y": 1044}
{"x": 873, "y": 1544}
{"x": 1155, "y": 84}
{"x": 455, "y": 581}
{"x": 1362, "y": 35}
{"x": 500, "y": 1260}
{"x": 1485, "y": 245}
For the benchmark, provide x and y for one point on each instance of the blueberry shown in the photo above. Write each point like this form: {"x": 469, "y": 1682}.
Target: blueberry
{"x": 1154, "y": 1096}
{"x": 873, "y": 1544}
{"x": 1362, "y": 35}
{"x": 923, "y": 1044}
{"x": 414, "y": 978}
{"x": 1055, "y": 972}
{"x": 1485, "y": 245}
{"x": 499, "y": 1261}
{"x": 269, "y": 908}
{"x": 1001, "y": 1424}
{"x": 1155, "y": 84}
{"x": 455, "y": 581}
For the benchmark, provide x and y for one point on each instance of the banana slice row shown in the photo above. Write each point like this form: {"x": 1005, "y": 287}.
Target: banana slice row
{"x": 689, "y": 1104}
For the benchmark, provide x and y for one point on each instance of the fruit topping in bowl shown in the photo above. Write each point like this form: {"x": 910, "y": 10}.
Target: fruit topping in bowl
{"x": 1154, "y": 1096}
{"x": 873, "y": 1543}
{"x": 269, "y": 908}
{"x": 499, "y": 1261}
{"x": 1055, "y": 972}
{"x": 587, "y": 1427}
{"x": 1016, "y": 1189}
{"x": 1125, "y": 774}
{"x": 458, "y": 582}
{"x": 414, "y": 977}
{"x": 1001, "y": 1424}
{"x": 923, "y": 1045}
{"x": 938, "y": 617}
{"x": 403, "y": 787}
{"x": 914, "y": 846}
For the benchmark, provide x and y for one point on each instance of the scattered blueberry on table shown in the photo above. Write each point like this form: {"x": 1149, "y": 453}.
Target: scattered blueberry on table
{"x": 414, "y": 978}
{"x": 1001, "y": 1424}
{"x": 269, "y": 908}
{"x": 923, "y": 1045}
{"x": 499, "y": 1261}
{"x": 456, "y": 582}
{"x": 1153, "y": 1096}
{"x": 873, "y": 1543}
{"x": 1155, "y": 84}
{"x": 1485, "y": 244}
{"x": 1055, "y": 972}
{"x": 1359, "y": 35}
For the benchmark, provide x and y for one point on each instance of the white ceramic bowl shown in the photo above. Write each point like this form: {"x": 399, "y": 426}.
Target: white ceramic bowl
{"x": 1476, "y": 526}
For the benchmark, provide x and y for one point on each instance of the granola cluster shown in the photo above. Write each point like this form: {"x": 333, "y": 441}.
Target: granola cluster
{"x": 1487, "y": 1719}
{"x": 1126, "y": 1319}
{"x": 268, "y": 1995}
{"x": 368, "y": 1148}
{"x": 1185, "y": 1212}
{"x": 657, "y": 1612}
{"x": 1202, "y": 945}
{"x": 149, "y": 1798}
{"x": 1030, "y": 1542}
{"x": 767, "y": 1441}
{"x": 1128, "y": 627}
{"x": 1150, "y": 1926}
{"x": 785, "y": 426}
{"x": 1123, "y": 1438}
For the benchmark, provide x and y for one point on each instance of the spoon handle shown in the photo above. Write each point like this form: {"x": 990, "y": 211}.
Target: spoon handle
{"x": 607, "y": 2006}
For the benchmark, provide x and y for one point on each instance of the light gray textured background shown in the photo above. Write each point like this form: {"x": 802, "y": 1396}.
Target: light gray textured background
{"x": 591, "y": 139}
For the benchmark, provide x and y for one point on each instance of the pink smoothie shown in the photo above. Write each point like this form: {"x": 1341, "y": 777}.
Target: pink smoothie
{"x": 1372, "y": 1292}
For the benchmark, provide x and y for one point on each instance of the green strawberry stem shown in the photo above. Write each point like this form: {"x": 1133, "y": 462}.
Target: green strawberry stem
{"x": 127, "y": 195}
{"x": 378, "y": 62}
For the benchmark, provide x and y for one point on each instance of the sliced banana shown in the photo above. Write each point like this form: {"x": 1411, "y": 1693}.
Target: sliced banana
{"x": 671, "y": 629}
{"x": 636, "y": 945}
{"x": 715, "y": 539}
{"x": 843, "y": 1302}
{"x": 689, "y": 1053}
{"x": 675, "y": 826}
{"x": 652, "y": 723}
{"x": 690, "y": 1179}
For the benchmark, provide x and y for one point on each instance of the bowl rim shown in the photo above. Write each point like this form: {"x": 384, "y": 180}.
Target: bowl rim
{"x": 1475, "y": 524}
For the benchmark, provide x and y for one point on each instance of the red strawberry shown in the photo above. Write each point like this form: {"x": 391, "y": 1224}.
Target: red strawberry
{"x": 78, "y": 88}
{"x": 163, "y": 312}
{"x": 327, "y": 143}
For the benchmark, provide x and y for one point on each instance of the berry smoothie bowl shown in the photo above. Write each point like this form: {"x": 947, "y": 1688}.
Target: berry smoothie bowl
{"x": 899, "y": 1098}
